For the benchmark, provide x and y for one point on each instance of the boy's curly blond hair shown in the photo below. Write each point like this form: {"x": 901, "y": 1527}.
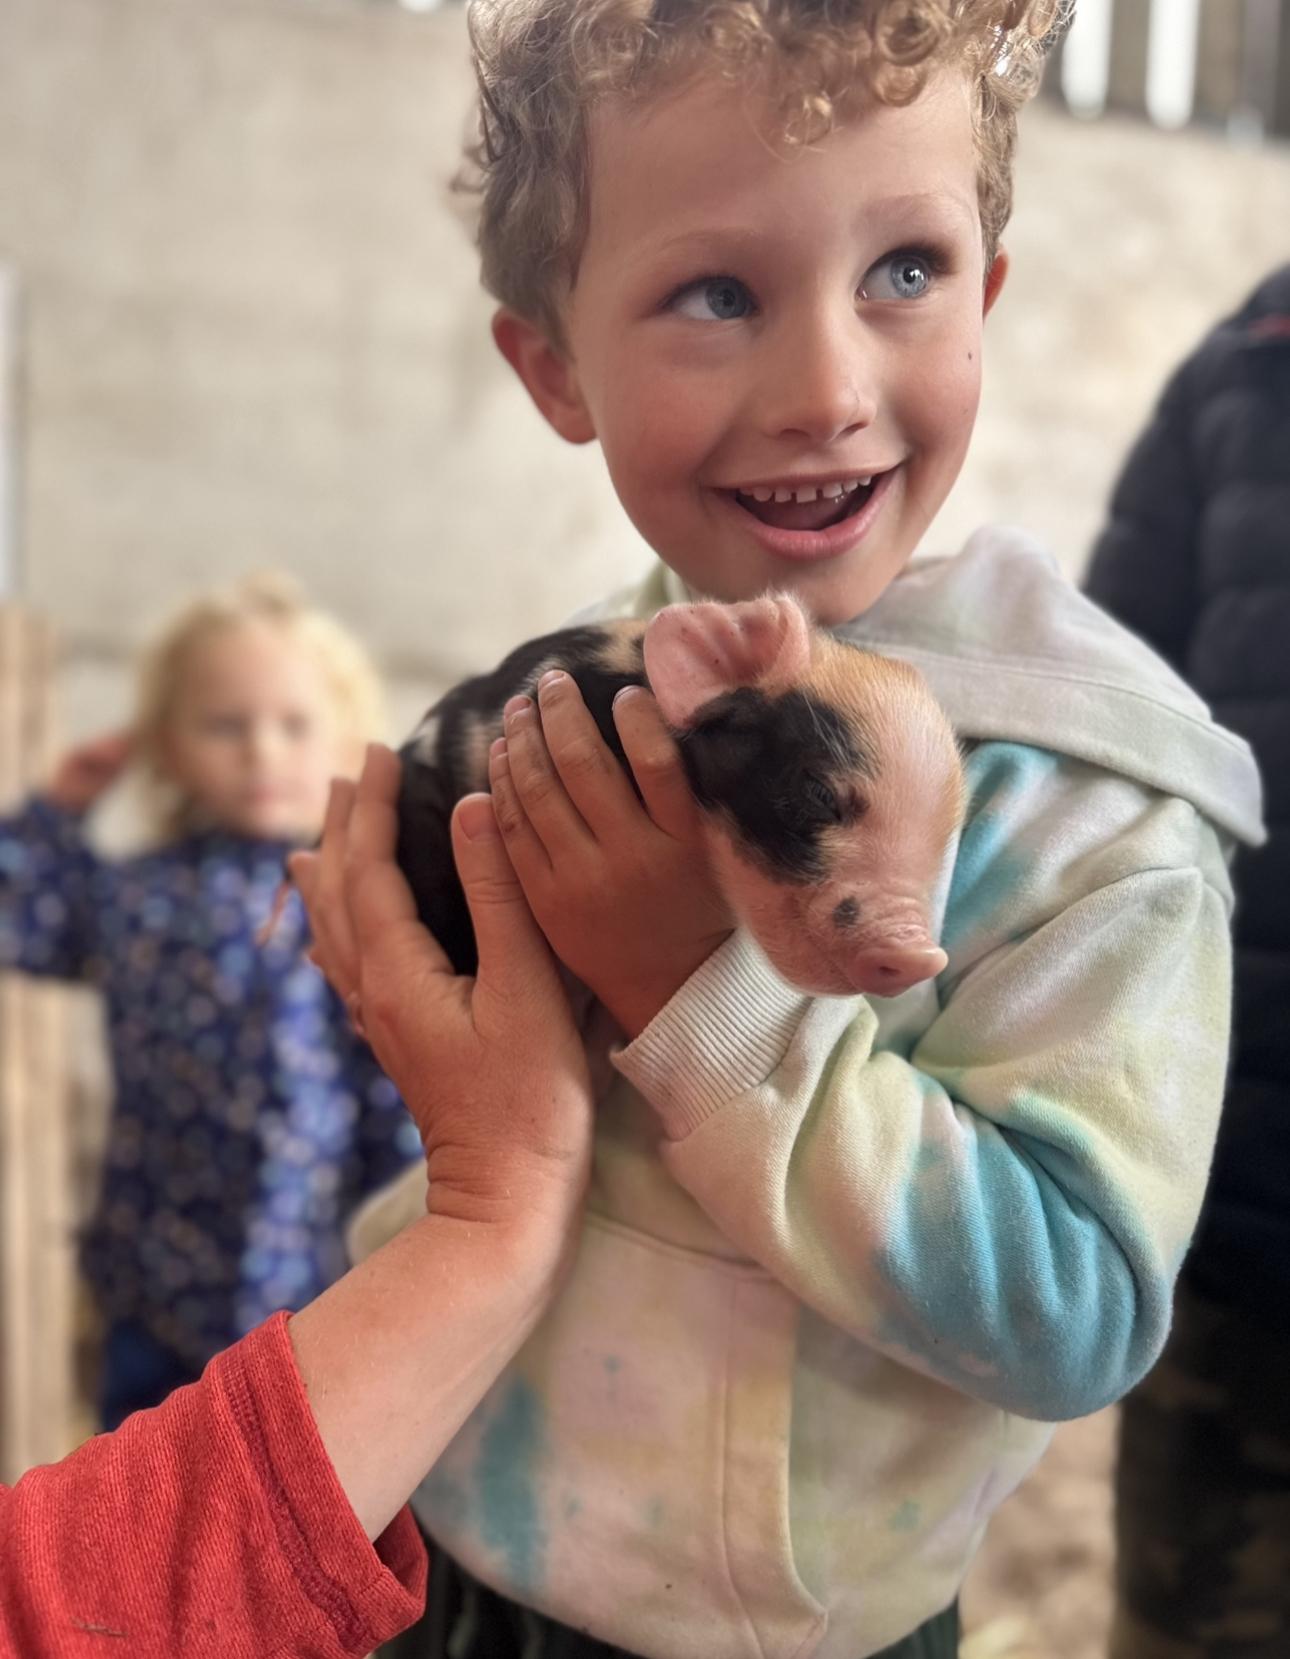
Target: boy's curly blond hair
{"x": 542, "y": 65}
{"x": 266, "y": 597}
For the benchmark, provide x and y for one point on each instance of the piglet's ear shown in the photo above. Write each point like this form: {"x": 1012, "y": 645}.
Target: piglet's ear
{"x": 693, "y": 653}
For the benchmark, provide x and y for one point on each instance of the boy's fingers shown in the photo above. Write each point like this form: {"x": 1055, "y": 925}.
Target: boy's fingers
{"x": 513, "y": 955}
{"x": 528, "y": 856}
{"x": 655, "y": 761}
{"x": 541, "y": 792}
{"x": 583, "y": 760}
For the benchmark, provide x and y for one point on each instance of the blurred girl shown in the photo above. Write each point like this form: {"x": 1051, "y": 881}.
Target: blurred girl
{"x": 249, "y": 1119}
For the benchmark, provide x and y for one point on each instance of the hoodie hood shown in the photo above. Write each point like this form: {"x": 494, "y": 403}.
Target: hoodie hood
{"x": 1015, "y": 653}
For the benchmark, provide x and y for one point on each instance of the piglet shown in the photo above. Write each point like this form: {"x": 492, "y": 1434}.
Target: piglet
{"x": 829, "y": 781}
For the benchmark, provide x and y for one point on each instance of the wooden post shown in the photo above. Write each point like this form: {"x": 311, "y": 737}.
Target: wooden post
{"x": 1219, "y": 61}
{"x": 37, "y": 1260}
{"x": 37, "y": 1268}
{"x": 1130, "y": 46}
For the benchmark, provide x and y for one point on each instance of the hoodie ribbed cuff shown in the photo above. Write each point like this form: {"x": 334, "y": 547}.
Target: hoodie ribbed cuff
{"x": 724, "y": 1032}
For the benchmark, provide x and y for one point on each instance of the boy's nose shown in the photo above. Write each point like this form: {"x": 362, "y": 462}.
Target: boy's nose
{"x": 822, "y": 386}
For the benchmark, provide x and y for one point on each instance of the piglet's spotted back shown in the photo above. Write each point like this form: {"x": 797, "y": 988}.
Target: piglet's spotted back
{"x": 829, "y": 780}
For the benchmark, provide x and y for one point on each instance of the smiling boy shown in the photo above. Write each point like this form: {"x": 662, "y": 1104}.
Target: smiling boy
{"x": 845, "y": 1258}
{"x": 703, "y": 345}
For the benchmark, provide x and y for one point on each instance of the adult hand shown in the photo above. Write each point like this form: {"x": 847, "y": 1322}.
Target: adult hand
{"x": 491, "y": 1068}
{"x": 622, "y": 890}
{"x": 84, "y": 772}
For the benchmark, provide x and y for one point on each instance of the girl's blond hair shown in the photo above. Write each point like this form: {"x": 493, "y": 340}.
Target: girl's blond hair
{"x": 542, "y": 65}
{"x": 264, "y": 597}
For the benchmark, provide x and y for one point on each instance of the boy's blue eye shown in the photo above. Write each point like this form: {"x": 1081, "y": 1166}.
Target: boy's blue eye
{"x": 899, "y": 276}
{"x": 720, "y": 299}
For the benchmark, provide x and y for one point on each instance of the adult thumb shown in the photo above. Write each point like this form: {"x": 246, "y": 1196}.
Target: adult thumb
{"x": 512, "y": 949}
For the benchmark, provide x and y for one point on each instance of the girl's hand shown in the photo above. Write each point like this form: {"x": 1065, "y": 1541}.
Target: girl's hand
{"x": 491, "y": 1068}
{"x": 83, "y": 773}
{"x": 622, "y": 890}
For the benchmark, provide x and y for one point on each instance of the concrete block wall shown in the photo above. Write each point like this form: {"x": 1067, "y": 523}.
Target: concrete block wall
{"x": 254, "y": 334}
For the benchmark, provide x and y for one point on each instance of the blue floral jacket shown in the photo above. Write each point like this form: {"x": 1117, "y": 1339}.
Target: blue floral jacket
{"x": 249, "y": 1119}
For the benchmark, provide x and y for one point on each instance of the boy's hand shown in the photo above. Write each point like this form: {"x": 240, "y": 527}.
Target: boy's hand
{"x": 492, "y": 1068}
{"x": 622, "y": 890}
{"x": 83, "y": 773}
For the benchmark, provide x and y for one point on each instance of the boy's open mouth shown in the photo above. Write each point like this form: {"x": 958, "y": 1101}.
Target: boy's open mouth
{"x": 806, "y": 506}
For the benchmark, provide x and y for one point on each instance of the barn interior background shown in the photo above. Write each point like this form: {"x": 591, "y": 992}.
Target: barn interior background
{"x": 240, "y": 327}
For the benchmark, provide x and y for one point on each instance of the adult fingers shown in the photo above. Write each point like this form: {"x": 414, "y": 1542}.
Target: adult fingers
{"x": 585, "y": 763}
{"x": 514, "y": 958}
{"x": 333, "y": 935}
{"x": 302, "y": 872}
{"x": 382, "y": 909}
{"x": 656, "y": 765}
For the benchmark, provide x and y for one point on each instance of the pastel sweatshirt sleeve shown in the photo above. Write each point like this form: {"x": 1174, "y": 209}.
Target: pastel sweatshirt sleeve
{"x": 1000, "y": 1197}
{"x": 48, "y": 882}
{"x": 213, "y": 1525}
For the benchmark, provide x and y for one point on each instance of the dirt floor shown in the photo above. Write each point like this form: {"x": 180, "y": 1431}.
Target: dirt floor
{"x": 1040, "y": 1589}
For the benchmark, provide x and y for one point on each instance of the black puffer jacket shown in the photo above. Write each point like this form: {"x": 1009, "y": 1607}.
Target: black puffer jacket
{"x": 1196, "y": 559}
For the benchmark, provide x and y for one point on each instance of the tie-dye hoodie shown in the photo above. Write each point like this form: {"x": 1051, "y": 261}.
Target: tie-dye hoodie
{"x": 845, "y": 1260}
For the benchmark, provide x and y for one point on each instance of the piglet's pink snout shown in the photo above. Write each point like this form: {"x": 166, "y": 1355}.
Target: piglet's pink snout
{"x": 886, "y": 973}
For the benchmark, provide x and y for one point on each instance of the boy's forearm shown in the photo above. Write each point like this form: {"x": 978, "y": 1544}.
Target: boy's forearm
{"x": 397, "y": 1354}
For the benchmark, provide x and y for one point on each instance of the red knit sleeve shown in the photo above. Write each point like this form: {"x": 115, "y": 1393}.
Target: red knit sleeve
{"x": 214, "y": 1525}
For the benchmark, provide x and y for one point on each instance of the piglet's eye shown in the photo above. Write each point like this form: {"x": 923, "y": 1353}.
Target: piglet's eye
{"x": 823, "y": 798}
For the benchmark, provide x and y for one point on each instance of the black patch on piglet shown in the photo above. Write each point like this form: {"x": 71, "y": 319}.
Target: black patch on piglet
{"x": 468, "y": 718}
{"x": 769, "y": 765}
{"x": 424, "y": 852}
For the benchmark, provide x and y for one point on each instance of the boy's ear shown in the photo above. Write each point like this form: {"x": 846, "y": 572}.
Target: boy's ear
{"x": 995, "y": 278}
{"x": 547, "y": 373}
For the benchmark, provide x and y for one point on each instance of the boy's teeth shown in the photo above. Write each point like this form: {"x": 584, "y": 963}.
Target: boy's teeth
{"x": 807, "y": 493}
